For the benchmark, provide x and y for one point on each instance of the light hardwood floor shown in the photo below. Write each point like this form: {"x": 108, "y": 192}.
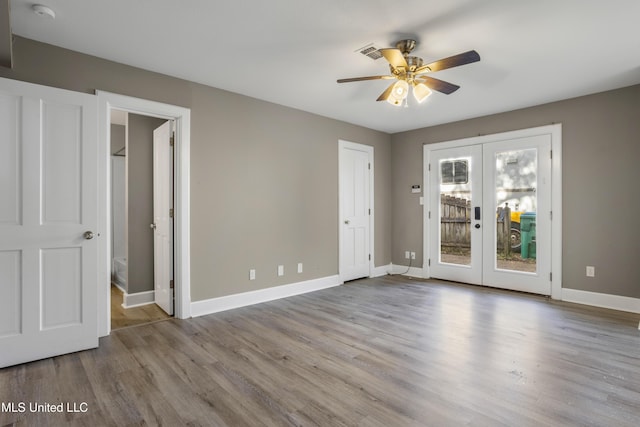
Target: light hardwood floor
{"x": 121, "y": 317}
{"x": 378, "y": 352}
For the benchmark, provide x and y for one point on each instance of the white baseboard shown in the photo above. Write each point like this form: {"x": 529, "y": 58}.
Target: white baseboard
{"x": 215, "y": 305}
{"x": 117, "y": 285}
{"x": 383, "y": 270}
{"x": 405, "y": 270}
{"x": 614, "y": 302}
{"x": 138, "y": 299}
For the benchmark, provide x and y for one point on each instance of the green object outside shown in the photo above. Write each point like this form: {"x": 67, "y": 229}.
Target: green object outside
{"x": 528, "y": 235}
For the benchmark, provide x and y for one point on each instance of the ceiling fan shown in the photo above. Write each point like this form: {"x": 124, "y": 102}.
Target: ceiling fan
{"x": 410, "y": 71}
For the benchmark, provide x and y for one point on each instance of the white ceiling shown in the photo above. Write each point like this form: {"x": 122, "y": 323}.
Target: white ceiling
{"x": 291, "y": 52}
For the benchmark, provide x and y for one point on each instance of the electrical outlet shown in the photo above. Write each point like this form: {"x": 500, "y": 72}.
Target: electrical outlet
{"x": 252, "y": 274}
{"x": 591, "y": 271}
{"x": 299, "y": 267}
{"x": 413, "y": 255}
{"x": 407, "y": 255}
{"x": 281, "y": 270}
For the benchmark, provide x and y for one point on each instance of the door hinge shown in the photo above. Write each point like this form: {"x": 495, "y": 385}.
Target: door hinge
{"x": 429, "y": 167}
{"x": 369, "y": 211}
{"x": 429, "y": 214}
{"x": 170, "y": 213}
{"x": 369, "y": 257}
{"x": 551, "y": 277}
{"x": 551, "y": 154}
{"x": 369, "y": 166}
{"x": 551, "y": 215}
{"x": 172, "y": 139}
{"x": 171, "y": 284}
{"x": 429, "y": 262}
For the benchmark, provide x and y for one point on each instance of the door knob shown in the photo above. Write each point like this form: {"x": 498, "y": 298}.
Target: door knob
{"x": 346, "y": 221}
{"x": 152, "y": 226}
{"x": 88, "y": 235}
{"x": 477, "y": 225}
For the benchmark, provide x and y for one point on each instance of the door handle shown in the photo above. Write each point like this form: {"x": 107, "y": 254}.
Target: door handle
{"x": 477, "y": 226}
{"x": 346, "y": 221}
{"x": 152, "y": 226}
{"x": 88, "y": 235}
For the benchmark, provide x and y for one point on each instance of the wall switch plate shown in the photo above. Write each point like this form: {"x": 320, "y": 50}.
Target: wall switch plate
{"x": 299, "y": 267}
{"x": 407, "y": 255}
{"x": 591, "y": 271}
{"x": 252, "y": 274}
{"x": 413, "y": 255}
{"x": 281, "y": 270}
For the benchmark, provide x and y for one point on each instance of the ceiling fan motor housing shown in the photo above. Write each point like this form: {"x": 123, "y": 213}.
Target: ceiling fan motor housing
{"x": 406, "y": 46}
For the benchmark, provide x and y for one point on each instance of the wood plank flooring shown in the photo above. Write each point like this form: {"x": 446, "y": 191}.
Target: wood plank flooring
{"x": 391, "y": 351}
{"x": 121, "y": 317}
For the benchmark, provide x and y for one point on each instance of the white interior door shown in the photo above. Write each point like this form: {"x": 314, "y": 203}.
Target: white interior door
{"x": 163, "y": 217}
{"x": 355, "y": 163}
{"x": 48, "y": 218}
{"x": 490, "y": 207}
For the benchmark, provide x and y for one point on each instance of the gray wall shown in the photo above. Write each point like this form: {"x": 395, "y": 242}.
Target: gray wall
{"x": 264, "y": 178}
{"x": 601, "y": 207}
{"x": 140, "y": 202}
{"x": 118, "y": 139}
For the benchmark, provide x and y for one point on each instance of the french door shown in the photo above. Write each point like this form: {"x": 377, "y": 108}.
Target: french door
{"x": 490, "y": 214}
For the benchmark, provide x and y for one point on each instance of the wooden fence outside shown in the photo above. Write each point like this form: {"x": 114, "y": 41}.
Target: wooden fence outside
{"x": 455, "y": 226}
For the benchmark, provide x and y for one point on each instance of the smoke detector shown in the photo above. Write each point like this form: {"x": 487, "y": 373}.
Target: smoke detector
{"x": 44, "y": 11}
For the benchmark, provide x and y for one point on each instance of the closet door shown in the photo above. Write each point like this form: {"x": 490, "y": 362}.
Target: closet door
{"x": 48, "y": 218}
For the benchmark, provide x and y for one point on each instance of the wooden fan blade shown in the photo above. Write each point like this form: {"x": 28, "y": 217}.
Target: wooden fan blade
{"x": 438, "y": 85}
{"x": 450, "y": 62}
{"x": 358, "y": 79}
{"x": 394, "y": 57}
{"x": 385, "y": 95}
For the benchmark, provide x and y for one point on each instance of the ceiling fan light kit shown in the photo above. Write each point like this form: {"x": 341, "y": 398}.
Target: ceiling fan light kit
{"x": 399, "y": 91}
{"x": 410, "y": 71}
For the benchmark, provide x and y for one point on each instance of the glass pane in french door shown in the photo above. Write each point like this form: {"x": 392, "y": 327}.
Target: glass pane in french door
{"x": 455, "y": 210}
{"x": 516, "y": 183}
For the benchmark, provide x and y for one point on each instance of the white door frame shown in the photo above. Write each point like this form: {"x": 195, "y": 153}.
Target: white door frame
{"x": 342, "y": 144}
{"x": 182, "y": 272}
{"x": 555, "y": 131}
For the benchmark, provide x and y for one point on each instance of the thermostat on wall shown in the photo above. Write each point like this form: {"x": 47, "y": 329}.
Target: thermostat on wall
{"x": 415, "y": 189}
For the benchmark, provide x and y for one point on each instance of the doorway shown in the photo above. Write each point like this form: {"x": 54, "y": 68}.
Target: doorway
{"x": 106, "y": 103}
{"x": 141, "y": 180}
{"x": 489, "y": 209}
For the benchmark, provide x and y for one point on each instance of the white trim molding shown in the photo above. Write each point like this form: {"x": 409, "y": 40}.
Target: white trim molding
{"x": 138, "y": 299}
{"x": 614, "y": 302}
{"x": 215, "y": 305}
{"x": 182, "y": 272}
{"x": 383, "y": 270}
{"x": 405, "y": 270}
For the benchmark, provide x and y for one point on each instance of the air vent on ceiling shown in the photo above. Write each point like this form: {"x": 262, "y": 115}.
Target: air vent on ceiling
{"x": 370, "y": 51}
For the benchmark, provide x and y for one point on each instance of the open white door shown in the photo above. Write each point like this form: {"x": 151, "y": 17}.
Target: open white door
{"x": 356, "y": 184}
{"x": 48, "y": 218}
{"x": 163, "y": 217}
